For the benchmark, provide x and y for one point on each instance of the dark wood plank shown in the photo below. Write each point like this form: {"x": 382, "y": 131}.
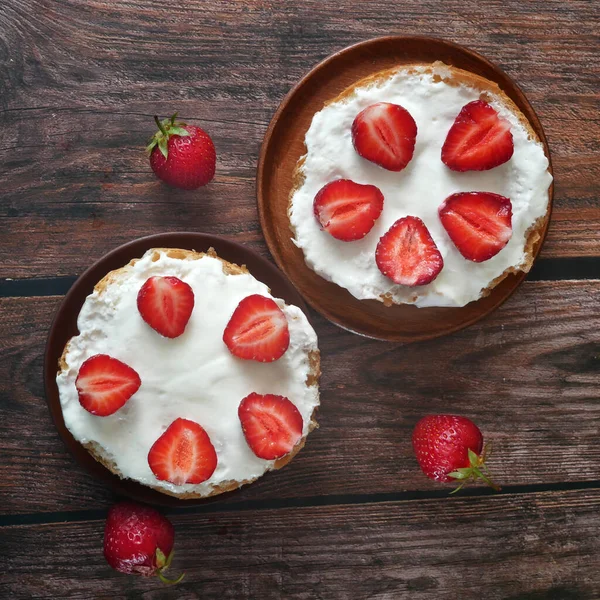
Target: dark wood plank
{"x": 528, "y": 375}
{"x": 80, "y": 81}
{"x": 542, "y": 547}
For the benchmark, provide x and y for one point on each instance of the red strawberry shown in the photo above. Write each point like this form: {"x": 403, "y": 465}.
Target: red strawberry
{"x": 478, "y": 140}
{"x": 104, "y": 384}
{"x": 385, "y": 134}
{"x": 348, "y": 210}
{"x": 139, "y": 540}
{"x": 183, "y": 454}
{"x": 166, "y": 304}
{"x": 182, "y": 155}
{"x": 257, "y": 330}
{"x": 271, "y": 424}
{"x": 407, "y": 253}
{"x": 449, "y": 447}
{"x": 479, "y": 223}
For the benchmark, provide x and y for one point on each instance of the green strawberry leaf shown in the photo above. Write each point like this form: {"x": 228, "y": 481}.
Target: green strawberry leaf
{"x": 461, "y": 473}
{"x": 166, "y": 128}
{"x": 473, "y": 458}
{"x": 169, "y": 559}
{"x": 477, "y": 471}
{"x": 161, "y": 559}
{"x": 178, "y": 131}
{"x": 151, "y": 145}
{"x": 162, "y": 146}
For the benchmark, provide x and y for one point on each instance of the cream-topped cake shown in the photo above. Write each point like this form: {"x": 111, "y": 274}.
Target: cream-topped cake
{"x": 188, "y": 376}
{"x": 396, "y": 141}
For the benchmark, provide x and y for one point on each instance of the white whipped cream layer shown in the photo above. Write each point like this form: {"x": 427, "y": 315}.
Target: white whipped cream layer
{"x": 193, "y": 376}
{"x": 418, "y": 190}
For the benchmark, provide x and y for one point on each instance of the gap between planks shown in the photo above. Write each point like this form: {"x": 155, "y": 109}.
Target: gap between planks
{"x": 308, "y": 502}
{"x": 550, "y": 269}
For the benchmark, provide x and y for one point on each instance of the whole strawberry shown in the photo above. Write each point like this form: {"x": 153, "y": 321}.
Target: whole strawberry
{"x": 450, "y": 448}
{"x": 182, "y": 155}
{"x": 139, "y": 540}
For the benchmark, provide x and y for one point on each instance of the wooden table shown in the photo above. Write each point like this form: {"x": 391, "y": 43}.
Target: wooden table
{"x": 352, "y": 517}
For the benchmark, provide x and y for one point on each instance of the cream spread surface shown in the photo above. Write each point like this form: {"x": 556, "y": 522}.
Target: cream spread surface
{"x": 418, "y": 190}
{"x": 193, "y": 376}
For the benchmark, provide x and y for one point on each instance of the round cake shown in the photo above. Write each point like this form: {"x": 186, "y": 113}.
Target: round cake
{"x": 423, "y": 184}
{"x": 187, "y": 376}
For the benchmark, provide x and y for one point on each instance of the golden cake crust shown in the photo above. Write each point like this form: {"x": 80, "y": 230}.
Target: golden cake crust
{"x": 455, "y": 77}
{"x": 230, "y": 269}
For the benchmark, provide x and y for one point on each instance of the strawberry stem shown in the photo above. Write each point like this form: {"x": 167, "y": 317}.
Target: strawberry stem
{"x": 166, "y": 128}
{"x": 160, "y": 125}
{"x": 168, "y": 581}
{"x": 485, "y": 478}
{"x": 477, "y": 470}
{"x": 163, "y": 563}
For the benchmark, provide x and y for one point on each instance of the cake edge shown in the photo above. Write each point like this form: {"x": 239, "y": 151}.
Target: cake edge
{"x": 229, "y": 268}
{"x": 488, "y": 90}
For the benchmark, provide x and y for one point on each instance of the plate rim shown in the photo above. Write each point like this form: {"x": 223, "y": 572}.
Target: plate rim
{"x": 81, "y": 287}
{"x": 261, "y": 168}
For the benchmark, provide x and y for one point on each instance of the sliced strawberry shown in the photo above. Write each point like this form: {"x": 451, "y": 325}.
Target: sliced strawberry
{"x": 385, "y": 134}
{"x": 271, "y": 424}
{"x": 183, "y": 454}
{"x": 104, "y": 384}
{"x": 166, "y": 304}
{"x": 478, "y": 140}
{"x": 257, "y": 330}
{"x": 479, "y": 223}
{"x": 407, "y": 253}
{"x": 348, "y": 210}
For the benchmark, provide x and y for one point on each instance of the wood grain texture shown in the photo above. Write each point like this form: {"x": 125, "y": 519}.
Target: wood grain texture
{"x": 544, "y": 547}
{"x": 528, "y": 375}
{"x": 79, "y": 82}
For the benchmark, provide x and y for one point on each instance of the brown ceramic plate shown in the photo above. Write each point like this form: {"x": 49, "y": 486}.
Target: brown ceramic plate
{"x": 284, "y": 145}
{"x": 65, "y": 326}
